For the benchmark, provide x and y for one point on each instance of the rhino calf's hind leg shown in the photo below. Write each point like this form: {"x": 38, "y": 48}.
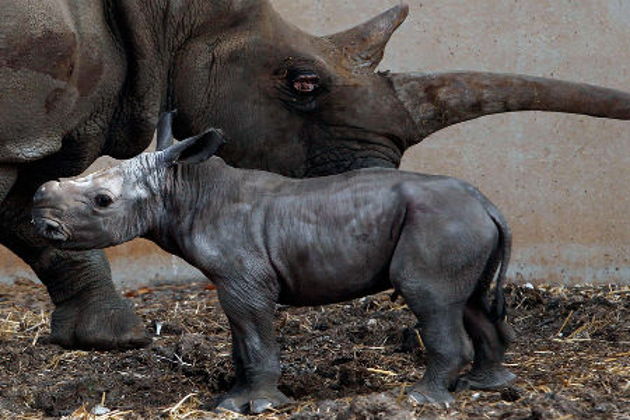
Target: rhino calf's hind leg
{"x": 439, "y": 309}
{"x": 436, "y": 266}
{"x": 490, "y": 340}
{"x": 442, "y": 332}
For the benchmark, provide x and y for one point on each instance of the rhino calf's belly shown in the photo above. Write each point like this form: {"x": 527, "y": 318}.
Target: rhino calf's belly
{"x": 333, "y": 288}
{"x": 337, "y": 258}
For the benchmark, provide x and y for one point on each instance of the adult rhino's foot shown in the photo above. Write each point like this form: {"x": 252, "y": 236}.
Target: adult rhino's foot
{"x": 422, "y": 393}
{"x": 253, "y": 401}
{"x": 97, "y": 323}
{"x": 486, "y": 379}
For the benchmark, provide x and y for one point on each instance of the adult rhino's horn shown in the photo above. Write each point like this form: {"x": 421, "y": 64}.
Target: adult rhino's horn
{"x": 436, "y": 101}
{"x": 164, "y": 135}
{"x": 364, "y": 44}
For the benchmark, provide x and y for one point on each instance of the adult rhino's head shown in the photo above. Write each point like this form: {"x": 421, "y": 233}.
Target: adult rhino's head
{"x": 303, "y": 105}
{"x": 117, "y": 204}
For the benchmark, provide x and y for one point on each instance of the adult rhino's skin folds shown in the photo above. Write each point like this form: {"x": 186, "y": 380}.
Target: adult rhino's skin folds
{"x": 81, "y": 79}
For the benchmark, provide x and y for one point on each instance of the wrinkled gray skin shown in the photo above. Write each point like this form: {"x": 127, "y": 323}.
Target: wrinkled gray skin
{"x": 265, "y": 239}
{"x": 80, "y": 79}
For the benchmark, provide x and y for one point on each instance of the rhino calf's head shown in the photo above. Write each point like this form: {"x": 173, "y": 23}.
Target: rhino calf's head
{"x": 120, "y": 203}
{"x": 89, "y": 212}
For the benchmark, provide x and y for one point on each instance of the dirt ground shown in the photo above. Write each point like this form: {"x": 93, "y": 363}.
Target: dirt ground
{"x": 345, "y": 361}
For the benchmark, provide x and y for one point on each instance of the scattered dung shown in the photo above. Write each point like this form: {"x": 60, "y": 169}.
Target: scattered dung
{"x": 346, "y": 361}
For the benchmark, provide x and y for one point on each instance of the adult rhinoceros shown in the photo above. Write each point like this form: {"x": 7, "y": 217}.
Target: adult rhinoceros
{"x": 82, "y": 79}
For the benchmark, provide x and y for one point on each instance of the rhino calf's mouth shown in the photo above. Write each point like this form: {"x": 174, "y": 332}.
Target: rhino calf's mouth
{"x": 50, "y": 229}
{"x": 47, "y": 215}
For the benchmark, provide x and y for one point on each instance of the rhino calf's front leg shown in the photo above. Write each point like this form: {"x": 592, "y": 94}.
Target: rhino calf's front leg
{"x": 254, "y": 349}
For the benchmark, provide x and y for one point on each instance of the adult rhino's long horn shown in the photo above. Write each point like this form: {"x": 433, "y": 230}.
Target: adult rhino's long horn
{"x": 436, "y": 101}
{"x": 364, "y": 44}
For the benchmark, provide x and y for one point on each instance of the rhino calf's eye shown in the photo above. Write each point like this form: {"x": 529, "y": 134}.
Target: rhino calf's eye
{"x": 103, "y": 200}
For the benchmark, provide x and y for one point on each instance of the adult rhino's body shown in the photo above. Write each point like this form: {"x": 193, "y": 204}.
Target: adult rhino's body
{"x": 83, "y": 79}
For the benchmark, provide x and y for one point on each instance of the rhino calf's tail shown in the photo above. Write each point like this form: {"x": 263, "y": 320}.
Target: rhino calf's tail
{"x": 501, "y": 257}
{"x": 498, "y": 312}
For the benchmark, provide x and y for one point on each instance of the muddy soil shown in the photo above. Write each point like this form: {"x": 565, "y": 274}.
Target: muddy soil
{"x": 345, "y": 361}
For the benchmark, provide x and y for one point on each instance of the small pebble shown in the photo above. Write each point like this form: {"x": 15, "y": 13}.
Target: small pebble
{"x": 99, "y": 410}
{"x": 606, "y": 408}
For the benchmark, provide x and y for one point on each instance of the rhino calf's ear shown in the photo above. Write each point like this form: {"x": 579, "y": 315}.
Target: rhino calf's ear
{"x": 196, "y": 149}
{"x": 164, "y": 135}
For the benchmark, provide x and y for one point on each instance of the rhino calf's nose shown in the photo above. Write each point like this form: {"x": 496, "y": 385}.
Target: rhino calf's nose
{"x": 44, "y": 191}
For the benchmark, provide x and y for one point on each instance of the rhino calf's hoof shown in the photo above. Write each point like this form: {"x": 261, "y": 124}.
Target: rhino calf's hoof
{"x": 253, "y": 402}
{"x": 489, "y": 379}
{"x": 423, "y": 394}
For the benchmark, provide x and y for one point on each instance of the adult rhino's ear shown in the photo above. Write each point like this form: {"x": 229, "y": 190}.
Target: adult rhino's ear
{"x": 164, "y": 135}
{"x": 196, "y": 149}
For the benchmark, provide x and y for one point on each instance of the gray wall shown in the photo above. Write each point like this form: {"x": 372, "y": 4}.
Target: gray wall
{"x": 563, "y": 181}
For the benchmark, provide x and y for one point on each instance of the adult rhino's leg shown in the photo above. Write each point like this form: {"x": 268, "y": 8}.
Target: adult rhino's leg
{"x": 89, "y": 313}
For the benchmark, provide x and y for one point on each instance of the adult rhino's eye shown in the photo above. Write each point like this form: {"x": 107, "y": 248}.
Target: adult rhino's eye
{"x": 103, "y": 200}
{"x": 304, "y": 82}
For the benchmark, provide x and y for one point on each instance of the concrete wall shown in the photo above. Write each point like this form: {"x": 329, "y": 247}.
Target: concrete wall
{"x": 563, "y": 181}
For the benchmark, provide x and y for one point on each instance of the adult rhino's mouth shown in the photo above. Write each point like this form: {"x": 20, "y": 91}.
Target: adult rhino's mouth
{"x": 349, "y": 148}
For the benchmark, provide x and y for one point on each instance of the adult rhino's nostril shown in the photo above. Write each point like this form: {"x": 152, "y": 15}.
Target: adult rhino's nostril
{"x": 50, "y": 229}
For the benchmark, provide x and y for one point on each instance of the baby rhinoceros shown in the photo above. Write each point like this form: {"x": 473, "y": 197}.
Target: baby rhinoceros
{"x": 265, "y": 239}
